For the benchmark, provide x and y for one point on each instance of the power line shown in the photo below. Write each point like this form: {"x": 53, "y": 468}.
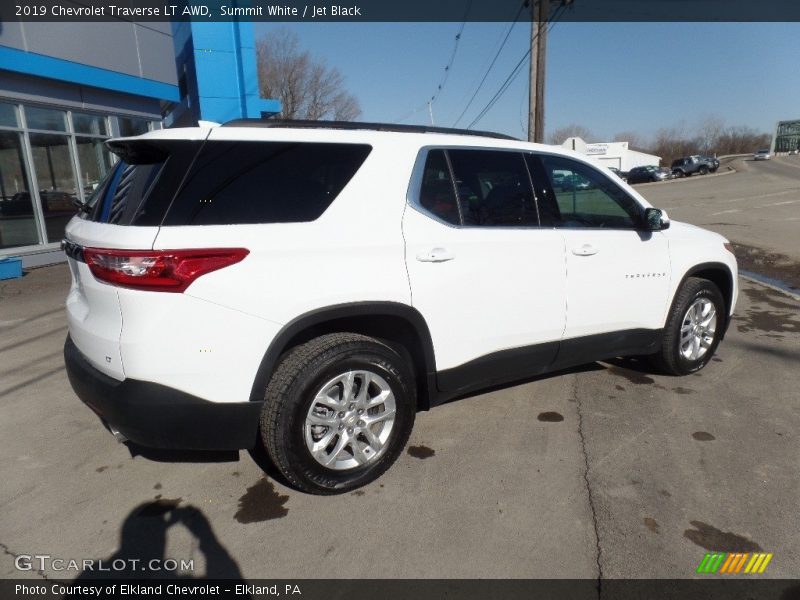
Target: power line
{"x": 510, "y": 79}
{"x": 449, "y": 64}
{"x": 486, "y": 74}
{"x": 447, "y": 69}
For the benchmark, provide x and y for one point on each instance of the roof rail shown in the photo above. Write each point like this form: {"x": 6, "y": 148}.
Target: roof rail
{"x": 354, "y": 125}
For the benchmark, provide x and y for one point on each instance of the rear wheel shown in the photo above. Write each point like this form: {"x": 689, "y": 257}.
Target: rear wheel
{"x": 680, "y": 174}
{"x": 703, "y": 170}
{"x": 339, "y": 410}
{"x": 693, "y": 328}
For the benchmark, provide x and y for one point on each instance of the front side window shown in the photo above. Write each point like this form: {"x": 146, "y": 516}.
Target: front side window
{"x": 494, "y": 188}
{"x": 584, "y": 197}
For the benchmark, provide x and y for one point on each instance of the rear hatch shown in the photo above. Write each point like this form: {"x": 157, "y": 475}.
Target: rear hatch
{"x": 123, "y": 213}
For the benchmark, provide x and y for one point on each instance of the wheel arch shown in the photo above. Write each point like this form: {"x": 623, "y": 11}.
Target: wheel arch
{"x": 720, "y": 275}
{"x": 398, "y": 324}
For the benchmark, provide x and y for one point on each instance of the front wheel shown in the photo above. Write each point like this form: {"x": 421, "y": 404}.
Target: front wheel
{"x": 694, "y": 328}
{"x": 338, "y": 412}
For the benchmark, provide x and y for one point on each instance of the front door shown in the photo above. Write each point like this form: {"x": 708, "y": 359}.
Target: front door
{"x": 618, "y": 274}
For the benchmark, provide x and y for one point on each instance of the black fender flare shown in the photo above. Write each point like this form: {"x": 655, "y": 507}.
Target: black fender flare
{"x": 709, "y": 266}
{"x": 339, "y": 312}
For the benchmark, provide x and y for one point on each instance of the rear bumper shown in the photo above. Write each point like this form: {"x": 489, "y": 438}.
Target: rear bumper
{"x": 157, "y": 416}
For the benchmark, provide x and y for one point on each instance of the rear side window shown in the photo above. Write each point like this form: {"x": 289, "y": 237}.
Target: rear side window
{"x": 494, "y": 188}
{"x": 264, "y": 182}
{"x": 437, "y": 194}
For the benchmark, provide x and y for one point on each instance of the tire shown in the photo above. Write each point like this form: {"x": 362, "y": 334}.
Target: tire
{"x": 680, "y": 174}
{"x": 671, "y": 358}
{"x": 703, "y": 170}
{"x": 333, "y": 362}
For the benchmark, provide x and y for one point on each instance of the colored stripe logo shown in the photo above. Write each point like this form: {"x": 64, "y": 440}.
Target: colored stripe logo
{"x": 732, "y": 563}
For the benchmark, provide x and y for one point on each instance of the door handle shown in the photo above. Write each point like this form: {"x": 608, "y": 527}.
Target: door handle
{"x": 584, "y": 250}
{"x": 436, "y": 255}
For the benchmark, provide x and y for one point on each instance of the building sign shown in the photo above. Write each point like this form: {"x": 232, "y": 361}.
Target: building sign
{"x": 596, "y": 148}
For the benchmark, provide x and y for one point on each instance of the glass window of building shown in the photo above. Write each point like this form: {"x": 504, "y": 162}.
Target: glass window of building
{"x": 17, "y": 223}
{"x": 56, "y": 158}
{"x": 94, "y": 162}
{"x": 55, "y": 179}
{"x": 49, "y": 119}
{"x": 89, "y": 124}
{"x": 8, "y": 115}
{"x": 131, "y": 126}
{"x": 94, "y": 159}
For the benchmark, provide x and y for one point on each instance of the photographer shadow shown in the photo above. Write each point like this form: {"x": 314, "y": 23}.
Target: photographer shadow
{"x": 143, "y": 542}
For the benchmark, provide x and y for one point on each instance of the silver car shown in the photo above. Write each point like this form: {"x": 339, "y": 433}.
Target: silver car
{"x": 762, "y": 154}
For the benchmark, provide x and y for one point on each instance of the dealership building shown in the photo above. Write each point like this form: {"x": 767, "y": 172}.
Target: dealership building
{"x": 613, "y": 154}
{"x": 67, "y": 87}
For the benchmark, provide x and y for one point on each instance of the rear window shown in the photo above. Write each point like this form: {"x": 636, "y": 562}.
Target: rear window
{"x": 226, "y": 183}
{"x": 139, "y": 189}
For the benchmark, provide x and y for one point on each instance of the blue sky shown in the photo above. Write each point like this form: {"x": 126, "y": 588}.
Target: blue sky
{"x": 608, "y": 77}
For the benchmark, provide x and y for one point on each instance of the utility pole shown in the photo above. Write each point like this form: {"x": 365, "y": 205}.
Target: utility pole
{"x": 538, "y": 57}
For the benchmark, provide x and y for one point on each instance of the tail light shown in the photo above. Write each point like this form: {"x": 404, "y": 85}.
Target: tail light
{"x": 158, "y": 270}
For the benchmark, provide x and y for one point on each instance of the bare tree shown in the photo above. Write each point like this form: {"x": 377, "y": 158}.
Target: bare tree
{"x": 709, "y": 137}
{"x": 573, "y": 130}
{"x": 708, "y": 133}
{"x": 635, "y": 141}
{"x": 306, "y": 87}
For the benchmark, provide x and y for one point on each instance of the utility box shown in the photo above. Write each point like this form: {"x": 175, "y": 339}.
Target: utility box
{"x": 11, "y": 267}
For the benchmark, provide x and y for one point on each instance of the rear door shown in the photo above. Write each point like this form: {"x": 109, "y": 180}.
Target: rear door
{"x": 488, "y": 280}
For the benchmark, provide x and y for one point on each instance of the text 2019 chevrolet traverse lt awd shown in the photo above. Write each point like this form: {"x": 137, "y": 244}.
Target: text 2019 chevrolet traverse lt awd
{"x": 310, "y": 287}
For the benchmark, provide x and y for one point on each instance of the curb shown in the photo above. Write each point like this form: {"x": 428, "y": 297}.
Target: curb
{"x": 755, "y": 278}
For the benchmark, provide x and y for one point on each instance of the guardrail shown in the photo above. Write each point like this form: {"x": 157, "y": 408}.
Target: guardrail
{"x": 734, "y": 155}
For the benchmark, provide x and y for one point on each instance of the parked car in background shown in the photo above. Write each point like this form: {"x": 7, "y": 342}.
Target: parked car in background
{"x": 648, "y": 174}
{"x": 621, "y": 174}
{"x": 713, "y": 163}
{"x": 762, "y": 154}
{"x": 567, "y": 181}
{"x": 689, "y": 165}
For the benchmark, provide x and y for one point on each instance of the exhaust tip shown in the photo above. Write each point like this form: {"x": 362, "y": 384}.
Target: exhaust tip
{"x": 118, "y": 435}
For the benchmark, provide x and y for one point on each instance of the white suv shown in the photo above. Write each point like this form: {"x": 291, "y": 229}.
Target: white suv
{"x": 311, "y": 286}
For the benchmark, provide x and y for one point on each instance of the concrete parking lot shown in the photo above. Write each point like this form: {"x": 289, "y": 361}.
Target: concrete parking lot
{"x": 607, "y": 470}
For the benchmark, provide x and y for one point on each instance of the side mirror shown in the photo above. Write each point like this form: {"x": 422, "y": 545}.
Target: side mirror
{"x": 655, "y": 219}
